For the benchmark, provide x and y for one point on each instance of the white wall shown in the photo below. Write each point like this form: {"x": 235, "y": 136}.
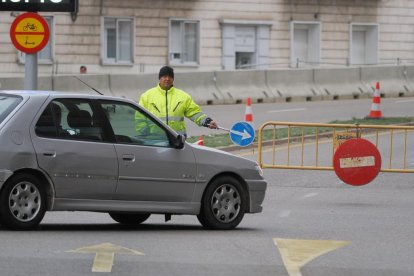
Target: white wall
{"x": 79, "y": 43}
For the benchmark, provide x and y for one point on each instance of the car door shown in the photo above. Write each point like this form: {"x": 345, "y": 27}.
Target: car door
{"x": 71, "y": 147}
{"x": 150, "y": 169}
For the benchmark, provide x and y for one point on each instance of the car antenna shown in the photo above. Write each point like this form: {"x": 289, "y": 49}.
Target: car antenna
{"x": 76, "y": 77}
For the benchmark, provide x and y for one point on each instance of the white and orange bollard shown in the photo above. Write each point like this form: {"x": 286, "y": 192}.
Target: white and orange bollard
{"x": 200, "y": 141}
{"x": 248, "y": 116}
{"x": 375, "y": 112}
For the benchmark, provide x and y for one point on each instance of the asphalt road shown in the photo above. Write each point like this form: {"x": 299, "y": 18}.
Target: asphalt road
{"x": 312, "y": 224}
{"x": 376, "y": 221}
{"x": 315, "y": 112}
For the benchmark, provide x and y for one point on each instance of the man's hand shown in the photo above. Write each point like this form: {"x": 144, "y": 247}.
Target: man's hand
{"x": 209, "y": 123}
{"x": 212, "y": 125}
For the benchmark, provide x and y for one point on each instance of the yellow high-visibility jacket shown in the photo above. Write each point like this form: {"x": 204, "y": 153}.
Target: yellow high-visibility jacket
{"x": 171, "y": 106}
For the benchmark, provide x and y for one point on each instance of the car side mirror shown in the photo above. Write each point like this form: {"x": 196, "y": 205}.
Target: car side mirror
{"x": 179, "y": 141}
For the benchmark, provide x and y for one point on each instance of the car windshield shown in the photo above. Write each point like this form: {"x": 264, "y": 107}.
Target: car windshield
{"x": 7, "y": 104}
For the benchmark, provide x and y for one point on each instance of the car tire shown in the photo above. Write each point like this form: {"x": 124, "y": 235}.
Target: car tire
{"x": 223, "y": 204}
{"x": 129, "y": 219}
{"x": 23, "y": 202}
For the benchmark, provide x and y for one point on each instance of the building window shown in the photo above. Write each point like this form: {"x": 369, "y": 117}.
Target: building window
{"x": 363, "y": 44}
{"x": 305, "y": 40}
{"x": 245, "y": 47}
{"x": 118, "y": 41}
{"x": 45, "y": 56}
{"x": 184, "y": 42}
{"x": 245, "y": 44}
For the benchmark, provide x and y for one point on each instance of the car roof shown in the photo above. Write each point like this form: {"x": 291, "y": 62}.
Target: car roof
{"x": 25, "y": 92}
{"x": 58, "y": 94}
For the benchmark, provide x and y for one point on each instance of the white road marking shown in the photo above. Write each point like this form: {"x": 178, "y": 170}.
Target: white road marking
{"x": 286, "y": 110}
{"x": 404, "y": 101}
{"x": 284, "y": 213}
{"x": 310, "y": 195}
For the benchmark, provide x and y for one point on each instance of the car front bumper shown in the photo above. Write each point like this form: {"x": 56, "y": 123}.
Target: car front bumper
{"x": 257, "y": 190}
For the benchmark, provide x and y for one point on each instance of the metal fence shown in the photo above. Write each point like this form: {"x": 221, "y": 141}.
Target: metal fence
{"x": 308, "y": 146}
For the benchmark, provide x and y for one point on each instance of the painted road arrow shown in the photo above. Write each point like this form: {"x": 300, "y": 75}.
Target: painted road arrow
{"x": 296, "y": 253}
{"x": 105, "y": 253}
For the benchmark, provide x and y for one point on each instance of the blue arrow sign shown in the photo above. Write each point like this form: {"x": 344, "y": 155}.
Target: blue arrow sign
{"x": 242, "y": 134}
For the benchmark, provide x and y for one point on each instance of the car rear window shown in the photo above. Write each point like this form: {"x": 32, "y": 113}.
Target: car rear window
{"x": 7, "y": 104}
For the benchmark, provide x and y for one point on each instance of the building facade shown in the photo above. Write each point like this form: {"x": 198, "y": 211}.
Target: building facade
{"x": 139, "y": 36}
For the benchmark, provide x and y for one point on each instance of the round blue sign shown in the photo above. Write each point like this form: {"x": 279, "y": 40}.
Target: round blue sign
{"x": 242, "y": 134}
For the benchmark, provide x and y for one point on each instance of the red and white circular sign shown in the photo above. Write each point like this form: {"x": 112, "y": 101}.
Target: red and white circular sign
{"x": 357, "y": 162}
{"x": 29, "y": 33}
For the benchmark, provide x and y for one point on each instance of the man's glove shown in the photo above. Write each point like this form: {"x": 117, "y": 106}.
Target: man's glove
{"x": 207, "y": 122}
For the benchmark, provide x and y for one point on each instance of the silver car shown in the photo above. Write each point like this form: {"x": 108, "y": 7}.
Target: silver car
{"x": 77, "y": 152}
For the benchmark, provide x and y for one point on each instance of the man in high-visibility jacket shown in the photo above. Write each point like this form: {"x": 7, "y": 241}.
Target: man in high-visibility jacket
{"x": 171, "y": 105}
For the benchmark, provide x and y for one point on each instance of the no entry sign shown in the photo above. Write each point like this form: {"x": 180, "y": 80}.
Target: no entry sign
{"x": 357, "y": 162}
{"x": 29, "y": 33}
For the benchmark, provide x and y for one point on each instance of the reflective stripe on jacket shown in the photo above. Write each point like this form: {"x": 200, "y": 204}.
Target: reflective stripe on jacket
{"x": 171, "y": 106}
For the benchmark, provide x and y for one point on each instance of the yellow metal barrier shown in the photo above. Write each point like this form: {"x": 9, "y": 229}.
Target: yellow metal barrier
{"x": 307, "y": 146}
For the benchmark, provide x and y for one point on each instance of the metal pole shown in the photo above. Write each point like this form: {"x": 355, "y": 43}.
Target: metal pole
{"x": 30, "y": 78}
{"x": 222, "y": 128}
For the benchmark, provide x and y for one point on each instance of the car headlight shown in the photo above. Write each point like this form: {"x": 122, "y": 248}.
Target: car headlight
{"x": 259, "y": 170}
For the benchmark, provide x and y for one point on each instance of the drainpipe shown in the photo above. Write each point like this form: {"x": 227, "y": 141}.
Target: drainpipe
{"x": 101, "y": 7}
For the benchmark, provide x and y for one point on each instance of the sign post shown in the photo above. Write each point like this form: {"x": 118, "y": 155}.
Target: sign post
{"x": 29, "y": 33}
{"x": 31, "y": 73}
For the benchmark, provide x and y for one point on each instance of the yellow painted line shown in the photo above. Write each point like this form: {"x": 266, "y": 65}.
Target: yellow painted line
{"x": 105, "y": 255}
{"x": 297, "y": 253}
{"x": 103, "y": 262}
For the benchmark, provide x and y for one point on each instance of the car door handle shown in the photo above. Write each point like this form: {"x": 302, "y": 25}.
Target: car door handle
{"x": 50, "y": 153}
{"x": 128, "y": 157}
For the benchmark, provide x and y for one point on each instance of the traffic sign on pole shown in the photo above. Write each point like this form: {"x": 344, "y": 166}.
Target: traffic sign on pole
{"x": 357, "y": 162}
{"x": 29, "y": 33}
{"x": 242, "y": 134}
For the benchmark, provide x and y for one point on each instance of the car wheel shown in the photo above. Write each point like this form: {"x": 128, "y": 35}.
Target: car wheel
{"x": 223, "y": 204}
{"x": 22, "y": 202}
{"x": 129, "y": 219}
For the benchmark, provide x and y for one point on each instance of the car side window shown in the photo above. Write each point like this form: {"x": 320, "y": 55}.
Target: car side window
{"x": 70, "y": 119}
{"x": 47, "y": 124}
{"x": 132, "y": 126}
{"x": 7, "y": 104}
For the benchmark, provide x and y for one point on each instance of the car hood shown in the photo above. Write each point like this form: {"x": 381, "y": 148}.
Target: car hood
{"x": 211, "y": 161}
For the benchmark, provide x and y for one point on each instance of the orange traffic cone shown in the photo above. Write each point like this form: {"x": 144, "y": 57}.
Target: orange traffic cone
{"x": 248, "y": 116}
{"x": 200, "y": 141}
{"x": 375, "y": 112}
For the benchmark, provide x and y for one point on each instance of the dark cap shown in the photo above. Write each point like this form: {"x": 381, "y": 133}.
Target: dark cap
{"x": 166, "y": 71}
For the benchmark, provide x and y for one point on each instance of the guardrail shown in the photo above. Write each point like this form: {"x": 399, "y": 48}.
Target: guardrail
{"x": 232, "y": 87}
{"x": 307, "y": 146}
